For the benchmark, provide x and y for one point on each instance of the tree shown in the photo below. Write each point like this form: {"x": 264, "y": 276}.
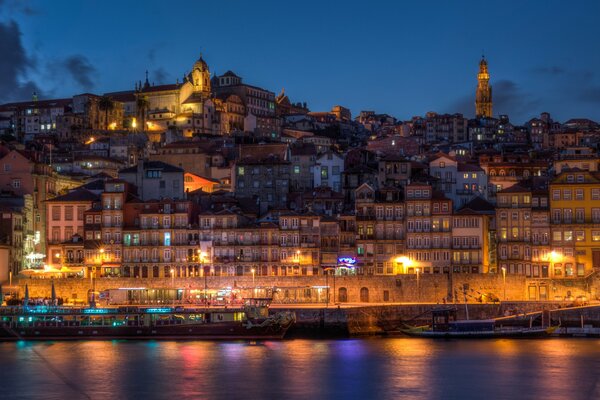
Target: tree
{"x": 142, "y": 104}
{"x": 106, "y": 104}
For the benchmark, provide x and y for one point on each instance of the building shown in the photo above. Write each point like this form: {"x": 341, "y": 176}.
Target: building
{"x": 575, "y": 215}
{"x": 66, "y": 219}
{"x": 262, "y": 173}
{"x": 328, "y": 171}
{"x": 459, "y": 181}
{"x": 155, "y": 180}
{"x": 380, "y": 230}
{"x": 428, "y": 230}
{"x": 514, "y": 220}
{"x": 472, "y": 241}
{"x": 483, "y": 95}
{"x": 303, "y": 159}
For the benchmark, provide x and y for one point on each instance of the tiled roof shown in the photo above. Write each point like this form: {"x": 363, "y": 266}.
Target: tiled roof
{"x": 79, "y": 194}
{"x": 152, "y": 165}
{"x": 477, "y": 206}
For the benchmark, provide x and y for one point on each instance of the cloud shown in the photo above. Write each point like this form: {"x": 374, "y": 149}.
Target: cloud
{"x": 508, "y": 98}
{"x": 551, "y": 70}
{"x": 160, "y": 76}
{"x": 81, "y": 70}
{"x": 14, "y": 65}
{"x": 591, "y": 95}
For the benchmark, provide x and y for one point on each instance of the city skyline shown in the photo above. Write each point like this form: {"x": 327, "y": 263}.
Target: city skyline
{"x": 435, "y": 72}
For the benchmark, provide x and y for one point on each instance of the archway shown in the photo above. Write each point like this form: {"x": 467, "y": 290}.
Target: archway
{"x": 364, "y": 295}
{"x": 343, "y": 295}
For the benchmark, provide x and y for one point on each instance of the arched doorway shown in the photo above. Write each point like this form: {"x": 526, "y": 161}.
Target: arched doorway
{"x": 343, "y": 295}
{"x": 364, "y": 295}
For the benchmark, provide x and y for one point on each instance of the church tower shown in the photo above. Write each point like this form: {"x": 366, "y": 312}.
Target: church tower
{"x": 483, "y": 96}
{"x": 200, "y": 77}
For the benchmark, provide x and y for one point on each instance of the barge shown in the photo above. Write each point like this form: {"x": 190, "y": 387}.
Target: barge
{"x": 251, "y": 322}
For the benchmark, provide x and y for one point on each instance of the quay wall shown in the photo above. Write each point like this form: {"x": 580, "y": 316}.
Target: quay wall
{"x": 344, "y": 289}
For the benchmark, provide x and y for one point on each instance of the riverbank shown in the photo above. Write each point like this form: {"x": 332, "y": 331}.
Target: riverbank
{"x": 372, "y": 320}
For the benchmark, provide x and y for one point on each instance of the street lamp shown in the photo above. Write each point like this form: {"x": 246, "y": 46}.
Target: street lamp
{"x": 253, "y": 284}
{"x": 173, "y": 284}
{"x": 504, "y": 281}
{"x": 418, "y": 285}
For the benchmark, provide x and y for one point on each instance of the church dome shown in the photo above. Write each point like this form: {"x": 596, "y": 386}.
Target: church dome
{"x": 201, "y": 64}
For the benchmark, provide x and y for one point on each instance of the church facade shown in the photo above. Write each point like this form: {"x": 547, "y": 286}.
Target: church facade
{"x": 192, "y": 106}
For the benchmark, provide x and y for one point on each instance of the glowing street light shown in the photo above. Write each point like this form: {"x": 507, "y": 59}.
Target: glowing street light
{"x": 504, "y": 281}
{"x": 173, "y": 284}
{"x": 418, "y": 285}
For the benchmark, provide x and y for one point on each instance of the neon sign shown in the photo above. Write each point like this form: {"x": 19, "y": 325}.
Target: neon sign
{"x": 347, "y": 260}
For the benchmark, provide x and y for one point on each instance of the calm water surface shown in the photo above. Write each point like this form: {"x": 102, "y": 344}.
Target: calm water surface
{"x": 303, "y": 369}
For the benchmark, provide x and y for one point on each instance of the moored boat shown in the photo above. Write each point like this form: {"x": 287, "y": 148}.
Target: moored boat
{"x": 445, "y": 325}
{"x": 252, "y": 322}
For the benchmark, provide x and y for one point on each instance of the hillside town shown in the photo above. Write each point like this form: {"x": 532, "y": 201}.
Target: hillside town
{"x": 212, "y": 176}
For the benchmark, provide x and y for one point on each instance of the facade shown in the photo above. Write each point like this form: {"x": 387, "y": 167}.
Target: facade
{"x": 262, "y": 173}
{"x": 472, "y": 228}
{"x": 459, "y": 181}
{"x": 155, "y": 180}
{"x": 380, "y": 230}
{"x": 328, "y": 171}
{"x": 575, "y": 215}
{"x": 428, "y": 229}
{"x": 66, "y": 219}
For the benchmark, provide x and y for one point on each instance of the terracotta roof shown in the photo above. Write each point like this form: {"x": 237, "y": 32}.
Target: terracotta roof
{"x": 152, "y": 165}
{"x": 79, "y": 194}
{"x": 515, "y": 189}
{"x": 463, "y": 167}
{"x": 477, "y": 206}
{"x": 263, "y": 152}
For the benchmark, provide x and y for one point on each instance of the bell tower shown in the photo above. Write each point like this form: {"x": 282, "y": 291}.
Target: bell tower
{"x": 483, "y": 95}
{"x": 200, "y": 76}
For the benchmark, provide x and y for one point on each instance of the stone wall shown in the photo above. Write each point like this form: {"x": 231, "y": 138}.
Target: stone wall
{"x": 374, "y": 289}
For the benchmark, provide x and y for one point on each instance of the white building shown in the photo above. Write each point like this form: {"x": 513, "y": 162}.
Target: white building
{"x": 328, "y": 171}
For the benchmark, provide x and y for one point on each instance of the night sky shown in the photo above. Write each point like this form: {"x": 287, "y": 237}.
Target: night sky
{"x": 402, "y": 59}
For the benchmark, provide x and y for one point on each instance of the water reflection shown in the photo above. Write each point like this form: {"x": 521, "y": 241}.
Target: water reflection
{"x": 303, "y": 369}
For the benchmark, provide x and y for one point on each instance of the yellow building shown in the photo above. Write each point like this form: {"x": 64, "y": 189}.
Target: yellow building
{"x": 575, "y": 223}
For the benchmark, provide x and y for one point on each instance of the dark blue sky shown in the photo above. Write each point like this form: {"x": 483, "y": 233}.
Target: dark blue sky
{"x": 402, "y": 59}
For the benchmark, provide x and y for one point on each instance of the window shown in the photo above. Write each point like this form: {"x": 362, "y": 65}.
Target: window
{"x": 324, "y": 172}
{"x": 579, "y": 215}
{"x": 55, "y": 213}
{"x": 578, "y": 194}
{"x": 557, "y": 236}
{"x": 595, "y": 194}
{"x": 556, "y": 195}
{"x": 167, "y": 239}
{"x": 241, "y": 171}
{"x": 153, "y": 173}
{"x": 296, "y": 169}
{"x": 580, "y": 236}
{"x": 568, "y": 236}
{"x": 16, "y": 183}
{"x": 596, "y": 215}
{"x": 68, "y": 213}
{"x": 567, "y": 195}
{"x": 596, "y": 236}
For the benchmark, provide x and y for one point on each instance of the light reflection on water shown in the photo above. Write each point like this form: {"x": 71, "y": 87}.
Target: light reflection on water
{"x": 303, "y": 369}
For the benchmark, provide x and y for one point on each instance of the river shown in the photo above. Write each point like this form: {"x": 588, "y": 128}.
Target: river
{"x": 302, "y": 369}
